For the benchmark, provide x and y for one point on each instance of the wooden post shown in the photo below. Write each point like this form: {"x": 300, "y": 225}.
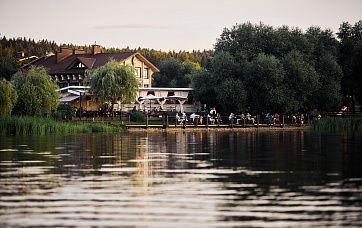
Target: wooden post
{"x": 167, "y": 120}
{"x": 147, "y": 120}
{"x": 244, "y": 121}
{"x": 283, "y": 120}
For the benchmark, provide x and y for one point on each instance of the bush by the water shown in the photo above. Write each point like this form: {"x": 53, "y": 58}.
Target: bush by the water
{"x": 64, "y": 112}
{"x": 24, "y": 125}
{"x": 338, "y": 124}
{"x": 137, "y": 116}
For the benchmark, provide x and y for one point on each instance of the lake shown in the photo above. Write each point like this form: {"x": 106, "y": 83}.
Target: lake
{"x": 182, "y": 179}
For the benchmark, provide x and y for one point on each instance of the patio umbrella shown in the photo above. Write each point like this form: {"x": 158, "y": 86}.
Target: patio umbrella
{"x": 150, "y": 98}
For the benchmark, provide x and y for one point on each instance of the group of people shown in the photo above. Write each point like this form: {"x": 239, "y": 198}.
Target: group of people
{"x": 213, "y": 117}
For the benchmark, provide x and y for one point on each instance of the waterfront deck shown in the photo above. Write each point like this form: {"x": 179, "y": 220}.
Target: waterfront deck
{"x": 131, "y": 127}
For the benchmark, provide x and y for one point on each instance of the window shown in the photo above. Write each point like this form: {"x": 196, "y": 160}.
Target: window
{"x": 79, "y": 65}
{"x": 138, "y": 72}
{"x": 145, "y": 73}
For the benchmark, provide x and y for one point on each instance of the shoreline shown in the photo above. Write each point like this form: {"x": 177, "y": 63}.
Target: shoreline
{"x": 215, "y": 128}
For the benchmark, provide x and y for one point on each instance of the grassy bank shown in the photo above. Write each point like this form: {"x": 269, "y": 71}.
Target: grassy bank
{"x": 338, "y": 124}
{"x": 24, "y": 125}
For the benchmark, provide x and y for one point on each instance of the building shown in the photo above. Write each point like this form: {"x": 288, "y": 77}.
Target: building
{"x": 68, "y": 66}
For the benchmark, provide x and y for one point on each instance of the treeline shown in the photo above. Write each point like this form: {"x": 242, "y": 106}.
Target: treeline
{"x": 12, "y": 49}
{"x": 260, "y": 68}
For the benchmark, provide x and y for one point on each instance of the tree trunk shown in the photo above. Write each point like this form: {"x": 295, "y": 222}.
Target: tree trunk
{"x": 112, "y": 110}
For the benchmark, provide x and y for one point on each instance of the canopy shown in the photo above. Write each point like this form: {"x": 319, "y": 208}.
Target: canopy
{"x": 149, "y": 97}
{"x": 68, "y": 98}
{"x": 174, "y": 97}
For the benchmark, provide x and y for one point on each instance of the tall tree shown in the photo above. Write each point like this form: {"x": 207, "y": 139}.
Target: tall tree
{"x": 37, "y": 93}
{"x": 350, "y": 59}
{"x": 301, "y": 81}
{"x": 8, "y": 63}
{"x": 264, "y": 78}
{"x": 113, "y": 82}
{"x": 8, "y": 97}
{"x": 174, "y": 73}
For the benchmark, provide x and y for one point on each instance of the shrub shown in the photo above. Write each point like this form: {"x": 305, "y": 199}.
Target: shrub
{"x": 137, "y": 116}
{"x": 64, "y": 112}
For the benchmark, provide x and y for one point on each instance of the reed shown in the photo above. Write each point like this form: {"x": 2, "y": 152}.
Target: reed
{"x": 338, "y": 124}
{"x": 25, "y": 125}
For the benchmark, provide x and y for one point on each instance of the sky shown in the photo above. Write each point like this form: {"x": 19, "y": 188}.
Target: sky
{"x": 162, "y": 24}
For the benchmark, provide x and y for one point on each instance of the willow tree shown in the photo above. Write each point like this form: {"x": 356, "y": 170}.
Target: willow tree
{"x": 37, "y": 93}
{"x": 8, "y": 98}
{"x": 112, "y": 83}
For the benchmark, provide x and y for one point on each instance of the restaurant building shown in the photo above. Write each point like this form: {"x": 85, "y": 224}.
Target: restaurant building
{"x": 68, "y": 66}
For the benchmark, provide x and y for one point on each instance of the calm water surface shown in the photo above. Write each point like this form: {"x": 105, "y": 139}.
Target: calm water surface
{"x": 192, "y": 179}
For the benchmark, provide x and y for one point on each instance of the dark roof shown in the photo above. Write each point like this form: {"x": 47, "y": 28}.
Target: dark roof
{"x": 65, "y": 65}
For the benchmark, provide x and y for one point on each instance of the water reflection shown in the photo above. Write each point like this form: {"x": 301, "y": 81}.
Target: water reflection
{"x": 262, "y": 179}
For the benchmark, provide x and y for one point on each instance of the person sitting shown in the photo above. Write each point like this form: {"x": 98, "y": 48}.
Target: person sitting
{"x": 193, "y": 117}
{"x": 249, "y": 118}
{"x": 231, "y": 118}
{"x": 213, "y": 112}
{"x": 276, "y": 118}
{"x": 218, "y": 119}
{"x": 184, "y": 118}
{"x": 178, "y": 119}
{"x": 211, "y": 119}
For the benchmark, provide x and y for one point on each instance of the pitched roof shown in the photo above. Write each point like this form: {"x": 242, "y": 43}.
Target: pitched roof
{"x": 89, "y": 60}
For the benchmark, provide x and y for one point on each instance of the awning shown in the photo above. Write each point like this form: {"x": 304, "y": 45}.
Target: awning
{"x": 68, "y": 98}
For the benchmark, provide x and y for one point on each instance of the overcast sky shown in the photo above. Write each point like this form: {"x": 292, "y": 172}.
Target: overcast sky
{"x": 162, "y": 24}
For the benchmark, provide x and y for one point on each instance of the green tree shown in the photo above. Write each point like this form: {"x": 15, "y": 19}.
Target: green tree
{"x": 204, "y": 88}
{"x": 231, "y": 95}
{"x": 8, "y": 98}
{"x": 350, "y": 59}
{"x": 37, "y": 93}
{"x": 113, "y": 82}
{"x": 174, "y": 73}
{"x": 8, "y": 64}
{"x": 301, "y": 81}
{"x": 328, "y": 96}
{"x": 265, "y": 82}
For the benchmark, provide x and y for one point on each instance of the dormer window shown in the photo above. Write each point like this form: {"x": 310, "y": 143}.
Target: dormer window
{"x": 79, "y": 65}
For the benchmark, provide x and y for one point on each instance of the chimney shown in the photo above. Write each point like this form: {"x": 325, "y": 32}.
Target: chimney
{"x": 96, "y": 49}
{"x": 63, "y": 53}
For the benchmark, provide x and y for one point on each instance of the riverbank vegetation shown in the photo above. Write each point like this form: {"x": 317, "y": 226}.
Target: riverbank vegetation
{"x": 26, "y": 125}
{"x": 281, "y": 69}
{"x": 335, "y": 124}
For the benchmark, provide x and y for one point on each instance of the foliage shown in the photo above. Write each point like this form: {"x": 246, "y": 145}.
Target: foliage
{"x": 137, "y": 116}
{"x": 350, "y": 59}
{"x": 301, "y": 81}
{"x": 204, "y": 88}
{"x": 338, "y": 124}
{"x": 264, "y": 78}
{"x": 31, "y": 47}
{"x": 25, "y": 125}
{"x": 8, "y": 64}
{"x": 232, "y": 95}
{"x": 37, "y": 93}
{"x": 280, "y": 69}
{"x": 8, "y": 97}
{"x": 174, "y": 73}
{"x": 64, "y": 112}
{"x": 112, "y": 82}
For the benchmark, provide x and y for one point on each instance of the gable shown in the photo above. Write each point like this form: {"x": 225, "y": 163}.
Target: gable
{"x": 82, "y": 63}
